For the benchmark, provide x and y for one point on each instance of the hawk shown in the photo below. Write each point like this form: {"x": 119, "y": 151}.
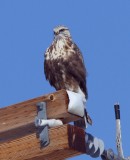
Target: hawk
{"x": 64, "y": 65}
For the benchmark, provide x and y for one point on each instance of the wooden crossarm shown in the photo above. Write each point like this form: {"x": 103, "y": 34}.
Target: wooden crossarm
{"x": 65, "y": 141}
{"x": 18, "y": 120}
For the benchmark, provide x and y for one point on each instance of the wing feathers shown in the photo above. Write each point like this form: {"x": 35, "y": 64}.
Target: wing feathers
{"x": 70, "y": 71}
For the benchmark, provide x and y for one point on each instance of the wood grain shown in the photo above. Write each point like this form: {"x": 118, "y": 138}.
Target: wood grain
{"x": 65, "y": 141}
{"x": 18, "y": 120}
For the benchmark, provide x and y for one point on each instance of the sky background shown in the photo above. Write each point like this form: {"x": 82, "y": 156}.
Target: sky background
{"x": 100, "y": 28}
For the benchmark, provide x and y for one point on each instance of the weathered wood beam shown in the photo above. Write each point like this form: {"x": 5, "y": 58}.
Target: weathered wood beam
{"x": 65, "y": 141}
{"x": 18, "y": 120}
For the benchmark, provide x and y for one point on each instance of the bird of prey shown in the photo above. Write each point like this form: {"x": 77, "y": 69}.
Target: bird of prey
{"x": 64, "y": 65}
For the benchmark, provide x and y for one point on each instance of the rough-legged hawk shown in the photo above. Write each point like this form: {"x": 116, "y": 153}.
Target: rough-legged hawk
{"x": 64, "y": 66}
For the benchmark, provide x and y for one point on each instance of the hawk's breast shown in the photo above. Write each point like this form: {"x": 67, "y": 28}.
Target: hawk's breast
{"x": 59, "y": 49}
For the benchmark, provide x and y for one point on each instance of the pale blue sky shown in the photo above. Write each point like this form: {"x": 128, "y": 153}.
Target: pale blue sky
{"x": 100, "y": 28}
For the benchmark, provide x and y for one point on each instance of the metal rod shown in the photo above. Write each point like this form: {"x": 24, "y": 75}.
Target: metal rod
{"x": 118, "y": 131}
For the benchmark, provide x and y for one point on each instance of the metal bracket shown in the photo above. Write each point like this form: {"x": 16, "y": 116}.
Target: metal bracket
{"x": 42, "y": 131}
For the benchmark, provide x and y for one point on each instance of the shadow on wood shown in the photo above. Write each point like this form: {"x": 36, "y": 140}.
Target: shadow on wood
{"x": 65, "y": 141}
{"x": 18, "y": 134}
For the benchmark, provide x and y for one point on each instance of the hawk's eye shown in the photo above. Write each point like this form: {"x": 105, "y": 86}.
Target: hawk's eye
{"x": 62, "y": 30}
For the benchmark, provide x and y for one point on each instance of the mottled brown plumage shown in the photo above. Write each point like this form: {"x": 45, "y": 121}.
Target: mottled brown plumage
{"x": 64, "y": 66}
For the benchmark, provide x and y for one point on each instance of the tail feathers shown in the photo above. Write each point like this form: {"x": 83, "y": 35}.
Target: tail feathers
{"x": 89, "y": 120}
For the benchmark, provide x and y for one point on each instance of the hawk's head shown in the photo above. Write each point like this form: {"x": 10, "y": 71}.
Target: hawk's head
{"x": 61, "y": 31}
